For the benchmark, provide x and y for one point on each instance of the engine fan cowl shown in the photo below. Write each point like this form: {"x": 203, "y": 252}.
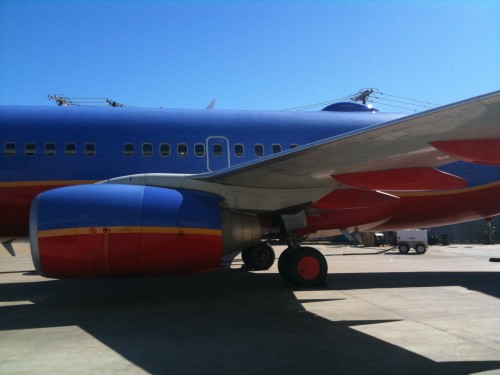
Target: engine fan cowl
{"x": 118, "y": 230}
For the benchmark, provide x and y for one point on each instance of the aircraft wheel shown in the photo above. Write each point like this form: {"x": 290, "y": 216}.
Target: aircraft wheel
{"x": 307, "y": 267}
{"x": 258, "y": 258}
{"x": 284, "y": 265}
{"x": 404, "y": 248}
{"x": 420, "y": 248}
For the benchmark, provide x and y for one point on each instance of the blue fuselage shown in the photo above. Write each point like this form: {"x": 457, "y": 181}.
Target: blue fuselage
{"x": 71, "y": 143}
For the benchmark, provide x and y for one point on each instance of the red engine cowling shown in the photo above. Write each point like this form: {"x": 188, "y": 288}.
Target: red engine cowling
{"x": 124, "y": 230}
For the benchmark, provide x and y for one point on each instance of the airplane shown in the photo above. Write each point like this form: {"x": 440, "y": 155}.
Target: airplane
{"x": 126, "y": 191}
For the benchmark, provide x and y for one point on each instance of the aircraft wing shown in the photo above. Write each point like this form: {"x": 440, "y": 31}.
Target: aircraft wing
{"x": 467, "y": 130}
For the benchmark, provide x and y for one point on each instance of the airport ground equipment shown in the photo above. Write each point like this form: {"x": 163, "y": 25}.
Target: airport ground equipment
{"x": 412, "y": 239}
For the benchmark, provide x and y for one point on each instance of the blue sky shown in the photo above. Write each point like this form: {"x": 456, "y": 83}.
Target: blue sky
{"x": 246, "y": 54}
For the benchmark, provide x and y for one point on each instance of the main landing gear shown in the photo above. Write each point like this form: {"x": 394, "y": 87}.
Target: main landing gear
{"x": 302, "y": 266}
{"x": 297, "y": 265}
{"x": 258, "y": 258}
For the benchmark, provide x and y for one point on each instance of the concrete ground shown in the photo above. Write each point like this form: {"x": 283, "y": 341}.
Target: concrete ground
{"x": 386, "y": 313}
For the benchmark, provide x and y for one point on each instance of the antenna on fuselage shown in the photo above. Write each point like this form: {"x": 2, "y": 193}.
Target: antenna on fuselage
{"x": 211, "y": 105}
{"x": 112, "y": 103}
{"x": 61, "y": 100}
{"x": 64, "y": 101}
{"x": 362, "y": 96}
{"x": 375, "y": 96}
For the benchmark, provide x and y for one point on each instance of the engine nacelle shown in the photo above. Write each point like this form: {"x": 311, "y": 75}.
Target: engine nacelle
{"x": 124, "y": 230}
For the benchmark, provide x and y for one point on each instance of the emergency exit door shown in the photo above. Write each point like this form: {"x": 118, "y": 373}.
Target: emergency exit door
{"x": 217, "y": 153}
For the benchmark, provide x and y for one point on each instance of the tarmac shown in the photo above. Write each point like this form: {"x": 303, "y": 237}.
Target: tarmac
{"x": 378, "y": 313}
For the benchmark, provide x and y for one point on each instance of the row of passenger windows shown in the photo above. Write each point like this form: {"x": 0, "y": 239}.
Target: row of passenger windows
{"x": 165, "y": 150}
{"x": 182, "y": 149}
{"x": 50, "y": 149}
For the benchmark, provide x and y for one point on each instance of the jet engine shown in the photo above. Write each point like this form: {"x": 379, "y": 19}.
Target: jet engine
{"x": 125, "y": 230}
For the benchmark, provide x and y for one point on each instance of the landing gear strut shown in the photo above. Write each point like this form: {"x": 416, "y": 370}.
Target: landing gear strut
{"x": 258, "y": 258}
{"x": 302, "y": 266}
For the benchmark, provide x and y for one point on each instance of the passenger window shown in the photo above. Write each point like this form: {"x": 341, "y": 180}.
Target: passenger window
{"x": 276, "y": 148}
{"x": 239, "y": 150}
{"x": 182, "y": 150}
{"x": 128, "y": 149}
{"x": 50, "y": 149}
{"x": 9, "y": 149}
{"x": 258, "y": 150}
{"x": 90, "y": 149}
{"x": 30, "y": 149}
{"x": 217, "y": 149}
{"x": 199, "y": 149}
{"x": 70, "y": 149}
{"x": 147, "y": 149}
{"x": 293, "y": 145}
{"x": 164, "y": 149}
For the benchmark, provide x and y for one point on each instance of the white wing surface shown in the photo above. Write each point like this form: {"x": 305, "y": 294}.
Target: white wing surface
{"x": 403, "y": 143}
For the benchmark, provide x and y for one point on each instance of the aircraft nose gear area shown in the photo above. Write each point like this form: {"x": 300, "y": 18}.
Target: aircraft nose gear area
{"x": 304, "y": 266}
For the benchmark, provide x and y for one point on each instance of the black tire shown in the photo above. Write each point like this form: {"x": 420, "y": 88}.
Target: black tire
{"x": 404, "y": 248}
{"x": 420, "y": 248}
{"x": 284, "y": 265}
{"x": 307, "y": 267}
{"x": 258, "y": 258}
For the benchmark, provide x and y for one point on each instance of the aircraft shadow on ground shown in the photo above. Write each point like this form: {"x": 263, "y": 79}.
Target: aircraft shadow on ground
{"x": 230, "y": 321}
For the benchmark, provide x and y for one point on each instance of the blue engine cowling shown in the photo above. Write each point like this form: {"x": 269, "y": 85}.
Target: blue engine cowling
{"x": 118, "y": 230}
